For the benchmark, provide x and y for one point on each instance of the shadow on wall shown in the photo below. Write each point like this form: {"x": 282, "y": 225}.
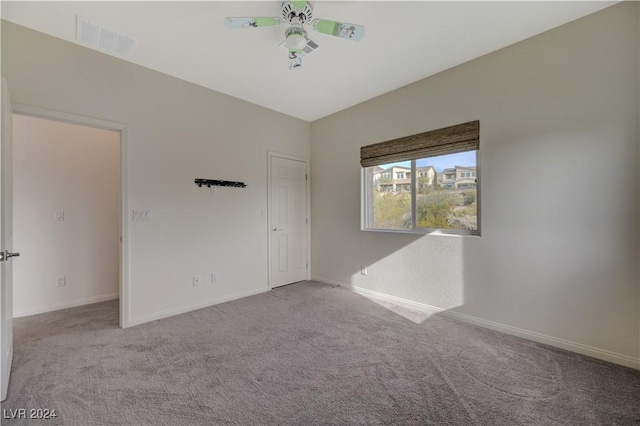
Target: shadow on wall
{"x": 414, "y": 271}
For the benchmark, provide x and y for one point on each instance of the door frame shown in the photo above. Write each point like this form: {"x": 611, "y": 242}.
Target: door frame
{"x": 270, "y": 155}
{"x": 123, "y": 129}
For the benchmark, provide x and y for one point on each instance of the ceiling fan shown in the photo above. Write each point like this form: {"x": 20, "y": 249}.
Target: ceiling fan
{"x": 296, "y": 40}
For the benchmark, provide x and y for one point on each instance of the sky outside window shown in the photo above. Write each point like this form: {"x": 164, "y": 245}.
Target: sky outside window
{"x": 442, "y": 162}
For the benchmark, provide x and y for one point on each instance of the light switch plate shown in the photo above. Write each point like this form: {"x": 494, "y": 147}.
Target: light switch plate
{"x": 142, "y": 215}
{"x": 59, "y": 215}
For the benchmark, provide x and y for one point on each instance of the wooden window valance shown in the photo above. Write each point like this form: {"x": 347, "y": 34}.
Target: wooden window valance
{"x": 450, "y": 140}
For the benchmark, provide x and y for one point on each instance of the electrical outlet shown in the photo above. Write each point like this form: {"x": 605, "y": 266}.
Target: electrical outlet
{"x": 364, "y": 270}
{"x": 196, "y": 280}
{"x": 214, "y": 277}
{"x": 61, "y": 281}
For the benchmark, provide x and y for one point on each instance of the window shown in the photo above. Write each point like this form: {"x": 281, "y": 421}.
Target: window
{"x": 399, "y": 175}
{"x": 442, "y": 195}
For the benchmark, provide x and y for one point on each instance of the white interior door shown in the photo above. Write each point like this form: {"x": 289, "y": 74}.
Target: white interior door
{"x": 288, "y": 221}
{"x": 6, "y": 240}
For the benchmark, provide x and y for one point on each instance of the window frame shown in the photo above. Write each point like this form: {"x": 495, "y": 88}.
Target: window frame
{"x": 366, "y": 193}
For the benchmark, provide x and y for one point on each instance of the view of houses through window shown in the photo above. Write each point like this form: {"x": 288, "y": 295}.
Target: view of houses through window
{"x": 445, "y": 189}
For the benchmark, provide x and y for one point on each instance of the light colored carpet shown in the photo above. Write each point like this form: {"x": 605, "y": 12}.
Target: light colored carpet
{"x": 304, "y": 354}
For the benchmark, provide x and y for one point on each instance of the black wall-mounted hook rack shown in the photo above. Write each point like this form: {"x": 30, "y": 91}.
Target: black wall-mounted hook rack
{"x": 211, "y": 182}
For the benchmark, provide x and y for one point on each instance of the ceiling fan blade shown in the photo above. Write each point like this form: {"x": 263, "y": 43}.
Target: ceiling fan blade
{"x": 296, "y": 55}
{"x": 258, "y": 21}
{"x": 338, "y": 29}
{"x": 295, "y": 59}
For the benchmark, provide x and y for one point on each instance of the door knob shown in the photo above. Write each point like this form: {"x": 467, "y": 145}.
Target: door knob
{"x": 6, "y": 255}
{"x": 277, "y": 229}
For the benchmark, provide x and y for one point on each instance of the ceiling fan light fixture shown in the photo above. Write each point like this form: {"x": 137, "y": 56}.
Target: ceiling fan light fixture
{"x": 297, "y": 13}
{"x": 295, "y": 38}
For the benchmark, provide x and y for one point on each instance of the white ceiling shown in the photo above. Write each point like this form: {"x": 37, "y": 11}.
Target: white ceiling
{"x": 404, "y": 42}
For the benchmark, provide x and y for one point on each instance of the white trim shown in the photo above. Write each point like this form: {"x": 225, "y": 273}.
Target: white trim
{"x": 568, "y": 345}
{"x": 192, "y": 307}
{"x": 271, "y": 154}
{"x": 49, "y": 114}
{"x": 38, "y": 112}
{"x": 68, "y": 304}
{"x": 125, "y": 288}
{"x": 376, "y": 294}
{"x": 329, "y": 281}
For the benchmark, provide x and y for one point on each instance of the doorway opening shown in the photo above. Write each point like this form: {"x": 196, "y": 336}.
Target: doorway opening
{"x": 69, "y": 212}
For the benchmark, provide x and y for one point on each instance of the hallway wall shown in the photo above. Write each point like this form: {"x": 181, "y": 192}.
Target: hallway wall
{"x": 73, "y": 170}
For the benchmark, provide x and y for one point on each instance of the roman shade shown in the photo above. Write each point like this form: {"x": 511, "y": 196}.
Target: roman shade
{"x": 449, "y": 140}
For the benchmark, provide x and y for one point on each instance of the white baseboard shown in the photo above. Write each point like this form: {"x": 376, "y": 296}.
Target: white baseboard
{"x": 191, "y": 307}
{"x": 327, "y": 281}
{"x": 376, "y": 294}
{"x": 66, "y": 305}
{"x": 587, "y": 350}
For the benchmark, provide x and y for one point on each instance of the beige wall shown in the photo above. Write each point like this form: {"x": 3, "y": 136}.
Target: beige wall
{"x": 558, "y": 257}
{"x": 76, "y": 170}
{"x": 177, "y": 132}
